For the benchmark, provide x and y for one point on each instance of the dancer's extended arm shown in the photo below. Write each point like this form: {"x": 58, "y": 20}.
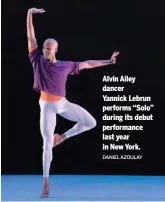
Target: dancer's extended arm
{"x": 97, "y": 63}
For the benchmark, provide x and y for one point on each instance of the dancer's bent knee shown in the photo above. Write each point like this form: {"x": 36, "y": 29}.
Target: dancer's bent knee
{"x": 91, "y": 123}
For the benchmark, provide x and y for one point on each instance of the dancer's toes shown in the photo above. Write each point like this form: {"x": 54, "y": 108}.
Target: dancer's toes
{"x": 45, "y": 192}
{"x": 58, "y": 139}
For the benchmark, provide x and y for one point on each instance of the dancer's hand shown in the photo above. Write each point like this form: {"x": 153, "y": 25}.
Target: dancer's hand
{"x": 36, "y": 10}
{"x": 113, "y": 57}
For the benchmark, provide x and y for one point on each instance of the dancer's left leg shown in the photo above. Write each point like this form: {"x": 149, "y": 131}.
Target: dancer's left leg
{"x": 84, "y": 119}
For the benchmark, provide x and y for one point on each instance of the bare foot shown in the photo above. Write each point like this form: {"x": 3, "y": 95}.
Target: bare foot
{"x": 58, "y": 139}
{"x": 45, "y": 192}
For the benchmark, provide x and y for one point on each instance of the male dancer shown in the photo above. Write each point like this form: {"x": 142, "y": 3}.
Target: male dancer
{"x": 50, "y": 76}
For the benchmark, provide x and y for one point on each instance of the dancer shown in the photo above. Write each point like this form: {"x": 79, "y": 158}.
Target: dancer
{"x": 50, "y": 76}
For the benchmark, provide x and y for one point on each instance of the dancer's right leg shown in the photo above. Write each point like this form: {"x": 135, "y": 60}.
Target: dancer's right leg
{"x": 47, "y": 126}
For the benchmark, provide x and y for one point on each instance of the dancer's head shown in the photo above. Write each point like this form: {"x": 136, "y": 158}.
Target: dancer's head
{"x": 50, "y": 48}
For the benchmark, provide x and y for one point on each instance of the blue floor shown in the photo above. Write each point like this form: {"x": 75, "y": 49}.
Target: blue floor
{"x": 84, "y": 188}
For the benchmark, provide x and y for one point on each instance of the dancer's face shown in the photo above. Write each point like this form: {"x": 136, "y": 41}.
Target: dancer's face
{"x": 50, "y": 48}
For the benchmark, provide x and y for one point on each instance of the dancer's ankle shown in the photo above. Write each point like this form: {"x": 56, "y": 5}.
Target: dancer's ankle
{"x": 63, "y": 136}
{"x": 46, "y": 181}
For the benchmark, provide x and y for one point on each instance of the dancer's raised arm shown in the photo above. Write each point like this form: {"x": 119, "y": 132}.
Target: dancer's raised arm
{"x": 32, "y": 42}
